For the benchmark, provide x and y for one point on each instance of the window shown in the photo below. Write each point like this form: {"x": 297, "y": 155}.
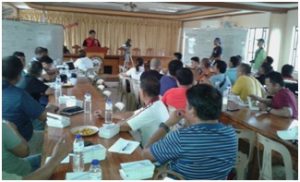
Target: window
{"x": 294, "y": 51}
{"x": 253, "y": 35}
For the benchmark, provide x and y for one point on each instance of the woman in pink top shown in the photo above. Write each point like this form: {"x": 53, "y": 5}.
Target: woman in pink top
{"x": 176, "y": 97}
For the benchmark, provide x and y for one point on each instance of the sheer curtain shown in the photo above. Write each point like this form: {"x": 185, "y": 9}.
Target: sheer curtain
{"x": 113, "y": 31}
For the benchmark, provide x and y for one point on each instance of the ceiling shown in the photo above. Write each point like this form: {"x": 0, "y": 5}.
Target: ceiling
{"x": 165, "y": 10}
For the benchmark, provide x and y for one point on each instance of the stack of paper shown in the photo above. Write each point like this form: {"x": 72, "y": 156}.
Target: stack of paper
{"x": 109, "y": 130}
{"x": 101, "y": 87}
{"x": 65, "y": 98}
{"x": 137, "y": 170}
{"x": 107, "y": 93}
{"x": 94, "y": 152}
{"x": 100, "y": 81}
{"x": 57, "y": 121}
{"x": 78, "y": 176}
{"x": 290, "y": 134}
{"x": 123, "y": 146}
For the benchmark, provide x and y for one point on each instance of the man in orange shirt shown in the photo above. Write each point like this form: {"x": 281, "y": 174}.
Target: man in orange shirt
{"x": 91, "y": 41}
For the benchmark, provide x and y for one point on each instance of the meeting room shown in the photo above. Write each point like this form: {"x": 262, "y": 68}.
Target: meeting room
{"x": 150, "y": 90}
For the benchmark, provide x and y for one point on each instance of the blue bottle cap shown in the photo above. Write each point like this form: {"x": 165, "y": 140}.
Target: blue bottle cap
{"x": 95, "y": 162}
{"x": 78, "y": 136}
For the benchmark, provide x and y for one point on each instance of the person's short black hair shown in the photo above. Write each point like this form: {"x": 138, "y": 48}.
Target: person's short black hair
{"x": 185, "y": 76}
{"x": 19, "y": 54}
{"x": 150, "y": 85}
{"x": 269, "y": 60}
{"x": 287, "y": 70}
{"x": 151, "y": 73}
{"x": 173, "y": 66}
{"x": 40, "y": 50}
{"x": 275, "y": 77}
{"x": 267, "y": 68}
{"x": 218, "y": 40}
{"x": 221, "y": 65}
{"x": 239, "y": 57}
{"x": 45, "y": 59}
{"x": 11, "y": 67}
{"x": 196, "y": 59}
{"x": 206, "y": 100}
{"x": 245, "y": 68}
{"x": 92, "y": 31}
{"x": 261, "y": 40}
{"x": 235, "y": 61}
{"x": 178, "y": 55}
{"x": 82, "y": 53}
{"x": 35, "y": 68}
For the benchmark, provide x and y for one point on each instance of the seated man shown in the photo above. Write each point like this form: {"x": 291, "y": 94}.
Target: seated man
{"x": 83, "y": 63}
{"x": 206, "y": 149}
{"x": 287, "y": 72}
{"x": 246, "y": 84}
{"x": 231, "y": 72}
{"x": 206, "y": 71}
{"x": 169, "y": 81}
{"x": 21, "y": 56}
{"x": 31, "y": 83}
{"x": 220, "y": 80}
{"x": 147, "y": 119}
{"x": 19, "y": 107}
{"x": 49, "y": 71}
{"x": 155, "y": 65}
{"x": 283, "y": 102}
{"x": 264, "y": 69}
{"x": 195, "y": 66}
{"x": 176, "y": 97}
{"x": 15, "y": 148}
{"x": 39, "y": 53}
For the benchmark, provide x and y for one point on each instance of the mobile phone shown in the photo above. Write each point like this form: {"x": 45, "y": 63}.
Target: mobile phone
{"x": 69, "y": 111}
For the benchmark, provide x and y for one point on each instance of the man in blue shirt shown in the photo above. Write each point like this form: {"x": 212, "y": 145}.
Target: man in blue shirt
{"x": 220, "y": 80}
{"x": 205, "y": 149}
{"x": 231, "y": 72}
{"x": 17, "y": 105}
{"x": 169, "y": 81}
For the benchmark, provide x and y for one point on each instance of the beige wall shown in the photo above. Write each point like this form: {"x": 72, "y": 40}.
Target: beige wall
{"x": 280, "y": 34}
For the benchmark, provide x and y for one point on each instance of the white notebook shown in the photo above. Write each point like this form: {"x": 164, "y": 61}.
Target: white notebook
{"x": 123, "y": 146}
{"x": 290, "y": 134}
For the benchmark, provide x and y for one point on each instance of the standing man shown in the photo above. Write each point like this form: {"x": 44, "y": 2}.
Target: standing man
{"x": 91, "y": 41}
{"x": 217, "y": 51}
{"x": 260, "y": 55}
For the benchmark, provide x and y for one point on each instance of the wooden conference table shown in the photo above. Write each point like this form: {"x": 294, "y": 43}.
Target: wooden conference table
{"x": 265, "y": 124}
{"x": 111, "y": 165}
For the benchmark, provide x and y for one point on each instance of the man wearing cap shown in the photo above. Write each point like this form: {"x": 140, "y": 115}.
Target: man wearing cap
{"x": 260, "y": 55}
{"x": 91, "y": 41}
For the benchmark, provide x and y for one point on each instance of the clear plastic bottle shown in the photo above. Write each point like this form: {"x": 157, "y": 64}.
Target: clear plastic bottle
{"x": 58, "y": 91}
{"x": 87, "y": 103}
{"x": 108, "y": 111}
{"x": 225, "y": 98}
{"x": 78, "y": 146}
{"x": 95, "y": 170}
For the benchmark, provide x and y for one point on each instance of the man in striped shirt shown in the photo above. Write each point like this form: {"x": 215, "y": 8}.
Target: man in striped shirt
{"x": 205, "y": 149}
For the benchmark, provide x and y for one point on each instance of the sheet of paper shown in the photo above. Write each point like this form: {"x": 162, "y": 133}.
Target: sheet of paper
{"x": 77, "y": 176}
{"x": 123, "y": 146}
{"x": 290, "y": 134}
{"x": 64, "y": 161}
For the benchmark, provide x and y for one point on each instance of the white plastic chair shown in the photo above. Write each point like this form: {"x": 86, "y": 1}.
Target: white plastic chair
{"x": 267, "y": 168}
{"x": 243, "y": 159}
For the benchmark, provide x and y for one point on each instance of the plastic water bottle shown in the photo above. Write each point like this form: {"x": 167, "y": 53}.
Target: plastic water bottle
{"x": 87, "y": 103}
{"x": 78, "y": 146}
{"x": 58, "y": 91}
{"x": 225, "y": 98}
{"x": 95, "y": 170}
{"x": 108, "y": 111}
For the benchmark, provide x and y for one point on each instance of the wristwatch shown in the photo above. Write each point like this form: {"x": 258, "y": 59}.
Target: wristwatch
{"x": 165, "y": 127}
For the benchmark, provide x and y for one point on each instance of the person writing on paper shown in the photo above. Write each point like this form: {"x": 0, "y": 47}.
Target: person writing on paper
{"x": 91, "y": 41}
{"x": 283, "y": 102}
{"x": 147, "y": 119}
{"x": 205, "y": 149}
{"x": 31, "y": 83}
{"x": 39, "y": 52}
{"x": 17, "y": 165}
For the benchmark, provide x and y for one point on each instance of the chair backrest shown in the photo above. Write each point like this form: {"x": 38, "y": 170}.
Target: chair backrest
{"x": 150, "y": 52}
{"x": 135, "y": 87}
{"x": 136, "y": 51}
{"x": 243, "y": 160}
{"x": 269, "y": 146}
{"x": 123, "y": 80}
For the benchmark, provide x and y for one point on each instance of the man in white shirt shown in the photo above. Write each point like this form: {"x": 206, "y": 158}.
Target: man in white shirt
{"x": 83, "y": 62}
{"x": 147, "y": 119}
